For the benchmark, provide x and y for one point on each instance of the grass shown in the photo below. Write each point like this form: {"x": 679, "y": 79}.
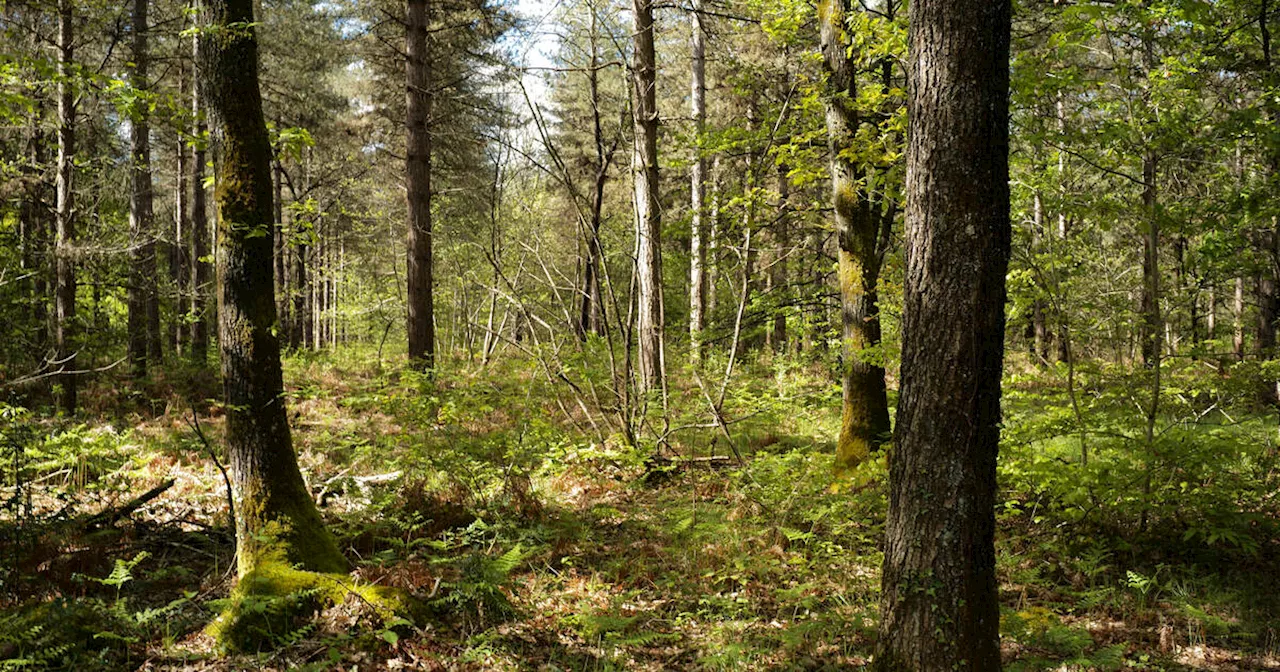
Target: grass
{"x": 538, "y": 541}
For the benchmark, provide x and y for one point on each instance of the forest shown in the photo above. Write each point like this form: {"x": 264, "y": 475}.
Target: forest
{"x": 640, "y": 335}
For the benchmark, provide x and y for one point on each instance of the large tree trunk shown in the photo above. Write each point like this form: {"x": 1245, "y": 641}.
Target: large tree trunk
{"x": 939, "y": 604}
{"x": 200, "y": 275}
{"x": 276, "y": 519}
{"x": 417, "y": 168}
{"x": 649, "y": 324}
{"x": 864, "y": 423}
{"x": 698, "y": 188}
{"x": 65, "y": 333}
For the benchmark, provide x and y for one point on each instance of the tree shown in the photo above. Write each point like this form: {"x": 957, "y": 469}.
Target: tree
{"x": 64, "y": 322}
{"x": 276, "y": 519}
{"x": 939, "y": 606}
{"x": 862, "y": 231}
{"x": 698, "y": 187}
{"x": 644, "y": 168}
{"x": 199, "y": 239}
{"x": 144, "y": 306}
{"x": 417, "y": 167}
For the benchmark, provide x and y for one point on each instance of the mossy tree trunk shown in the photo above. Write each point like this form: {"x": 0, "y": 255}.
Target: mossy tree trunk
{"x": 276, "y": 519}
{"x": 863, "y": 238}
{"x": 939, "y": 604}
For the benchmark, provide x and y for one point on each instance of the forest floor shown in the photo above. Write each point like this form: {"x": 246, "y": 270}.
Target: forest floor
{"x": 539, "y": 546}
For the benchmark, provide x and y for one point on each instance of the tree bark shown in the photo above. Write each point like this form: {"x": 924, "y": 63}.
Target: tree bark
{"x": 65, "y": 332}
{"x": 591, "y": 314}
{"x": 276, "y": 518}
{"x": 698, "y": 188}
{"x": 200, "y": 275}
{"x": 939, "y": 606}
{"x": 649, "y": 325}
{"x": 864, "y": 418}
{"x": 421, "y": 326}
{"x": 778, "y": 264}
{"x": 179, "y": 247}
{"x": 144, "y": 305}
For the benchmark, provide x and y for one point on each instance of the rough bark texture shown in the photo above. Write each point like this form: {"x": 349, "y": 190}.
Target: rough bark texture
{"x": 65, "y": 334}
{"x": 864, "y": 418}
{"x": 939, "y": 605}
{"x": 144, "y": 313}
{"x": 698, "y": 188}
{"x": 200, "y": 275}
{"x": 275, "y": 516}
{"x": 644, "y": 166}
{"x": 417, "y": 167}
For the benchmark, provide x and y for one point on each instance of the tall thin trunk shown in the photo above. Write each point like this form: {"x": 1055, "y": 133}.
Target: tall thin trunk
{"x": 778, "y": 265}
{"x": 279, "y": 236}
{"x": 65, "y": 331}
{"x": 1039, "y": 311}
{"x": 591, "y": 312}
{"x": 939, "y": 603}
{"x": 200, "y": 248}
{"x": 276, "y": 519}
{"x": 864, "y": 423}
{"x": 421, "y": 325}
{"x": 1237, "y": 314}
{"x": 179, "y": 247}
{"x": 649, "y": 324}
{"x": 144, "y": 307}
{"x": 698, "y": 189}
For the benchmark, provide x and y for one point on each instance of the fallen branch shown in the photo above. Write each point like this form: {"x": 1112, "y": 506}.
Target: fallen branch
{"x": 110, "y": 515}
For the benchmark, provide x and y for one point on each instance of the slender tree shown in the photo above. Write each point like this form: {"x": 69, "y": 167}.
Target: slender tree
{"x": 864, "y": 418}
{"x": 698, "y": 188}
{"x": 144, "y": 311}
{"x": 644, "y": 169}
{"x": 64, "y": 321}
{"x": 418, "y": 186}
{"x": 939, "y": 606}
{"x": 199, "y": 238}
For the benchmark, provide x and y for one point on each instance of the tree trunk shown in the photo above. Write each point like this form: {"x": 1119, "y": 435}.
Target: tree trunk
{"x": 179, "y": 247}
{"x": 649, "y": 325}
{"x": 144, "y": 305}
{"x": 591, "y": 313}
{"x": 864, "y": 418}
{"x": 279, "y": 236}
{"x": 276, "y": 519}
{"x": 939, "y": 606}
{"x": 200, "y": 275}
{"x": 65, "y": 332}
{"x": 421, "y": 324}
{"x": 1237, "y": 313}
{"x": 778, "y": 265}
{"x": 698, "y": 188}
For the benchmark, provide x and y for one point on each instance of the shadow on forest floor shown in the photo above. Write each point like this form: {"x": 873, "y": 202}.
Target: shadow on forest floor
{"x": 541, "y": 548}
